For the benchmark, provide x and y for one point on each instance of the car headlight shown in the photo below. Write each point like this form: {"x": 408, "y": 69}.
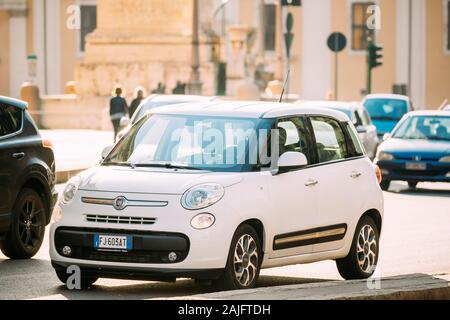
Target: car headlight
{"x": 445, "y": 159}
{"x": 70, "y": 189}
{"x": 384, "y": 156}
{"x": 202, "y": 221}
{"x": 202, "y": 196}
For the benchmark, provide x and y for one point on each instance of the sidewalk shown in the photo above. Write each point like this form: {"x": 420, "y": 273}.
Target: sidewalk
{"x": 76, "y": 150}
{"x": 407, "y": 287}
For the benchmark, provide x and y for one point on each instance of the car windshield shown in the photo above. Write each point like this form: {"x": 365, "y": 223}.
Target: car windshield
{"x": 192, "y": 142}
{"x": 424, "y": 127}
{"x": 386, "y": 109}
{"x": 151, "y": 105}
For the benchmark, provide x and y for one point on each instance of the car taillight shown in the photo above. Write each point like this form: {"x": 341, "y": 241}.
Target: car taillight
{"x": 47, "y": 144}
{"x": 378, "y": 173}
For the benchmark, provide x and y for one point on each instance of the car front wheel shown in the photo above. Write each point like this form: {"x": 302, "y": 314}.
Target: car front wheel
{"x": 27, "y": 229}
{"x": 244, "y": 260}
{"x": 362, "y": 259}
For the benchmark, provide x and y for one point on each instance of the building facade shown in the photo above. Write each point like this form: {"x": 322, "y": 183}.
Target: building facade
{"x": 415, "y": 35}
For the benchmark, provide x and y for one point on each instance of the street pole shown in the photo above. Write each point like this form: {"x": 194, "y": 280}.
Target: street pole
{"x": 278, "y": 42}
{"x": 195, "y": 85}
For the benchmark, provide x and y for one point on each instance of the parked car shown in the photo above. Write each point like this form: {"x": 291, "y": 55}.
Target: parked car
{"x": 27, "y": 175}
{"x": 386, "y": 110}
{"x": 157, "y": 101}
{"x": 164, "y": 204}
{"x": 367, "y": 131}
{"x": 418, "y": 150}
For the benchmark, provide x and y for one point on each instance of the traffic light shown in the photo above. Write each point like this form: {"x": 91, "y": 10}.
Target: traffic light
{"x": 375, "y": 55}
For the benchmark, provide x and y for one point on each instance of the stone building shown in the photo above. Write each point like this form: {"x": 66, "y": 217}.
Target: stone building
{"x": 142, "y": 42}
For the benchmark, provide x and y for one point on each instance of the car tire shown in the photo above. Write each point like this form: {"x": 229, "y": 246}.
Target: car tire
{"x": 244, "y": 261}
{"x": 362, "y": 259}
{"x": 27, "y": 229}
{"x": 385, "y": 184}
{"x": 85, "y": 281}
{"x": 412, "y": 185}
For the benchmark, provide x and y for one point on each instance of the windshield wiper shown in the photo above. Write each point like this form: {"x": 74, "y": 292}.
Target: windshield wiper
{"x": 167, "y": 165}
{"x": 120, "y": 164}
{"x": 385, "y": 118}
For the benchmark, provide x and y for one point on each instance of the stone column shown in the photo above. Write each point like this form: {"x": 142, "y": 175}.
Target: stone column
{"x": 18, "y": 50}
{"x": 279, "y": 42}
{"x": 195, "y": 85}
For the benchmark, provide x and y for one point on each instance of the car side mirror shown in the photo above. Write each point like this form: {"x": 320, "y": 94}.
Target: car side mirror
{"x": 291, "y": 161}
{"x": 361, "y": 129}
{"x": 124, "y": 121}
{"x": 386, "y": 136}
{"x": 106, "y": 151}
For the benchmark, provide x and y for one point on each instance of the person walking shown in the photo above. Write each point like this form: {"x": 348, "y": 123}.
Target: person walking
{"x": 117, "y": 109}
{"x": 136, "y": 102}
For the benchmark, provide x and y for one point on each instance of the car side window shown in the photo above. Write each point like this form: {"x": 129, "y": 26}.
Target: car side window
{"x": 10, "y": 119}
{"x": 330, "y": 139}
{"x": 365, "y": 117}
{"x": 293, "y": 136}
{"x": 358, "y": 119}
{"x": 356, "y": 149}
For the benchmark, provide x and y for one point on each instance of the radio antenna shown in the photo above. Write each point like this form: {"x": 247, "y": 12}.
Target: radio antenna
{"x": 284, "y": 86}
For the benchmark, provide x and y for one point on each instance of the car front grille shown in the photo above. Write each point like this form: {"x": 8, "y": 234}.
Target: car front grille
{"x": 119, "y": 219}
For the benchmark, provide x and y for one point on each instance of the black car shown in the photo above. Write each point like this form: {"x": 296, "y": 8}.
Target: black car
{"x": 27, "y": 181}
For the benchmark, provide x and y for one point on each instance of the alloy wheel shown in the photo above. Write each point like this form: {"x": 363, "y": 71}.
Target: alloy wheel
{"x": 246, "y": 260}
{"x": 366, "y": 250}
{"x": 30, "y": 224}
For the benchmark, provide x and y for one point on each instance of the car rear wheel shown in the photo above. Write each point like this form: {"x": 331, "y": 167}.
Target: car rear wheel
{"x": 85, "y": 281}
{"x": 362, "y": 259}
{"x": 412, "y": 185}
{"x": 27, "y": 229}
{"x": 244, "y": 261}
{"x": 385, "y": 184}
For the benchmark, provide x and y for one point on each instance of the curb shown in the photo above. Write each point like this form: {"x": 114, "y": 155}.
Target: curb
{"x": 406, "y": 287}
{"x": 64, "y": 176}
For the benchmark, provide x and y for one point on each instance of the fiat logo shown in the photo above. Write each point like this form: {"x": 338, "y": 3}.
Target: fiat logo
{"x": 120, "y": 203}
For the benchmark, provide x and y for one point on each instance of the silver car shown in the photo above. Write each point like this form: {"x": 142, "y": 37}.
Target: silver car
{"x": 156, "y": 101}
{"x": 360, "y": 118}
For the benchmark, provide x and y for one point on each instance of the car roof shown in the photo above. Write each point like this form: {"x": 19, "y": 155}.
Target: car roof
{"x": 247, "y": 109}
{"x": 386, "y": 96}
{"x": 14, "y": 102}
{"x": 183, "y": 98}
{"x": 341, "y": 105}
{"x": 430, "y": 113}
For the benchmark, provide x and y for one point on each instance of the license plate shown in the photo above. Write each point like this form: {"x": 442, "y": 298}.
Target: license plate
{"x": 416, "y": 166}
{"x": 110, "y": 242}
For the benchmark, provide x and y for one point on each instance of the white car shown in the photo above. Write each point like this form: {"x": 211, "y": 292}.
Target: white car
{"x": 219, "y": 190}
{"x": 359, "y": 116}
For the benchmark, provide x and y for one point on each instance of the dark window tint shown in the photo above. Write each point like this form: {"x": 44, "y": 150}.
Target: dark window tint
{"x": 360, "y": 30}
{"x": 448, "y": 25}
{"x": 88, "y": 23}
{"x": 330, "y": 139}
{"x": 10, "y": 119}
{"x": 269, "y": 23}
{"x": 293, "y": 136}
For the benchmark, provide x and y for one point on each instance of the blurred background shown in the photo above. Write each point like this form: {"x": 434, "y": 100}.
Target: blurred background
{"x": 65, "y": 56}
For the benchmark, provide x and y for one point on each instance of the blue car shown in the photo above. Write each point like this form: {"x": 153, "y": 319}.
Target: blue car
{"x": 418, "y": 149}
{"x": 386, "y": 110}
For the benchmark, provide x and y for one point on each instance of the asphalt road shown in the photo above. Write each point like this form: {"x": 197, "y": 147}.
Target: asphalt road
{"x": 415, "y": 239}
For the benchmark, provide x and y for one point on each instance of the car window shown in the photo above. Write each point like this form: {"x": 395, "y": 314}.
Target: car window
{"x": 365, "y": 117}
{"x": 330, "y": 139}
{"x": 293, "y": 136}
{"x": 356, "y": 149}
{"x": 358, "y": 120}
{"x": 10, "y": 119}
{"x": 386, "y": 109}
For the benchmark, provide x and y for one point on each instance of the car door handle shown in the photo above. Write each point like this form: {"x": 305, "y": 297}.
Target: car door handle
{"x": 356, "y": 175}
{"x": 18, "y": 155}
{"x": 311, "y": 183}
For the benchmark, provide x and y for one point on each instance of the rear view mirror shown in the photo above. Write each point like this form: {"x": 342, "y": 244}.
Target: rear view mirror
{"x": 291, "y": 161}
{"x": 106, "y": 151}
{"x": 124, "y": 121}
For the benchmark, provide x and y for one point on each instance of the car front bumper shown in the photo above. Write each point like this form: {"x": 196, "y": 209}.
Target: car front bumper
{"x": 396, "y": 170}
{"x": 199, "y": 252}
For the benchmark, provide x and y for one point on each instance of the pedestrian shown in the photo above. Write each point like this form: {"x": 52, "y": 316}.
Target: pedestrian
{"x": 118, "y": 108}
{"x": 136, "y": 101}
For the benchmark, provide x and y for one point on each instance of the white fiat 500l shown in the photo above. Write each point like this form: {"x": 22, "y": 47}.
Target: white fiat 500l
{"x": 218, "y": 191}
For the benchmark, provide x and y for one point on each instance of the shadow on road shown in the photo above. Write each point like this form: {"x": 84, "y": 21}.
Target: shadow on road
{"x": 32, "y": 279}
